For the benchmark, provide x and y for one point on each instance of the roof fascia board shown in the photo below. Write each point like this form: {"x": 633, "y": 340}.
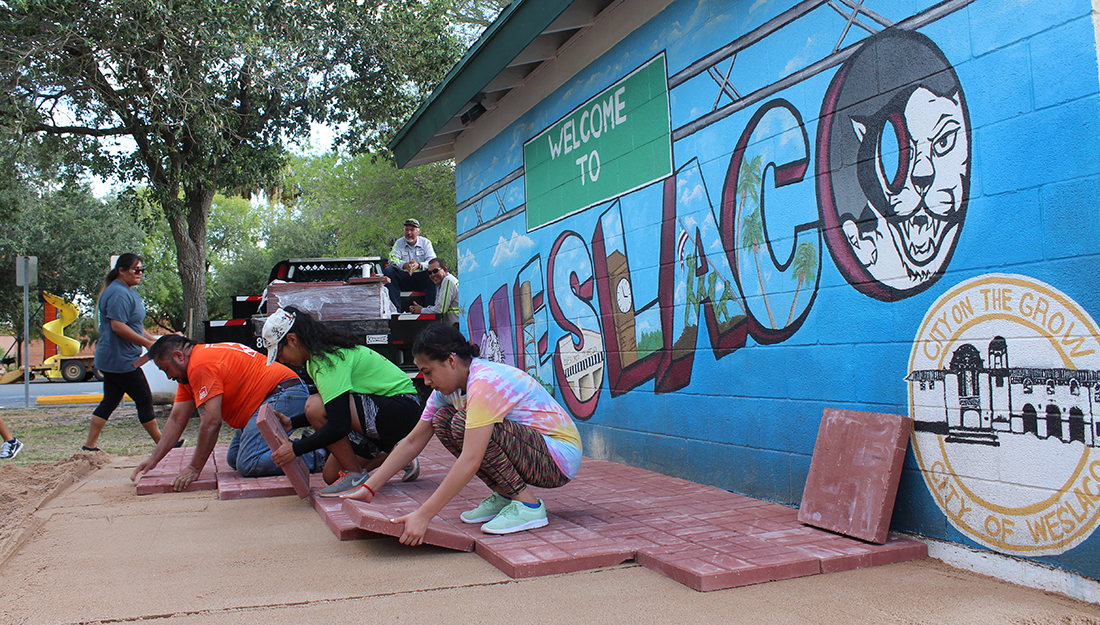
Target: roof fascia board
{"x": 519, "y": 25}
{"x": 614, "y": 24}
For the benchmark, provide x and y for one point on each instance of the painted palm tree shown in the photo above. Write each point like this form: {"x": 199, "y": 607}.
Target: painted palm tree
{"x": 752, "y": 227}
{"x": 803, "y": 269}
{"x": 748, "y": 180}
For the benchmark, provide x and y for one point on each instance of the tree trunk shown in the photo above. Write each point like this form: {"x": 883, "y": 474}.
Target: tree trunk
{"x": 189, "y": 232}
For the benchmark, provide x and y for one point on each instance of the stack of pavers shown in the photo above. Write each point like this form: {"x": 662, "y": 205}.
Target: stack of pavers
{"x": 701, "y": 536}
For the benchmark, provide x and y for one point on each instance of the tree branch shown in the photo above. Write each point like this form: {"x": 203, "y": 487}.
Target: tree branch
{"x": 85, "y": 130}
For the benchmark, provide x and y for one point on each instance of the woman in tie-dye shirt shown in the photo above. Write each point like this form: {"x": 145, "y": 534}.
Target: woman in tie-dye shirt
{"x": 500, "y": 424}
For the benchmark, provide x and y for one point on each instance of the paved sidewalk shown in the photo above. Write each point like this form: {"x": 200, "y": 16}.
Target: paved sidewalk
{"x": 102, "y": 554}
{"x": 701, "y": 536}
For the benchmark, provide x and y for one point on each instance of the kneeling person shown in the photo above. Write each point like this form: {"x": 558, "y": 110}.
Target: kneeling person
{"x": 364, "y": 406}
{"x": 223, "y": 382}
{"x": 500, "y": 424}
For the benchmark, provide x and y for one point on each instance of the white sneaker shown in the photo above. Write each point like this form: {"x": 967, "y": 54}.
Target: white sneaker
{"x": 10, "y": 449}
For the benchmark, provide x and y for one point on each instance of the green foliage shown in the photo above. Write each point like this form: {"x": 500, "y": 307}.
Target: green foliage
{"x": 386, "y": 59}
{"x": 73, "y": 234}
{"x": 206, "y": 92}
{"x": 364, "y": 202}
{"x": 649, "y": 343}
{"x": 246, "y": 239}
{"x": 469, "y": 18}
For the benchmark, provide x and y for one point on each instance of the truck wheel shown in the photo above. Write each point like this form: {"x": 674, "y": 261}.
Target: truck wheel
{"x": 96, "y": 374}
{"x": 73, "y": 371}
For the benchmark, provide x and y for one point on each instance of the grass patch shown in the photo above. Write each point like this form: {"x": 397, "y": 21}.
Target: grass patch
{"x": 51, "y": 433}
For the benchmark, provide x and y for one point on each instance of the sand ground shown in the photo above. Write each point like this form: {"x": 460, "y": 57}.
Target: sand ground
{"x": 78, "y": 546}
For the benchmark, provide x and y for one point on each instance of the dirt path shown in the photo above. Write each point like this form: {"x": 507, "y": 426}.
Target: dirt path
{"x": 97, "y": 552}
{"x": 23, "y": 489}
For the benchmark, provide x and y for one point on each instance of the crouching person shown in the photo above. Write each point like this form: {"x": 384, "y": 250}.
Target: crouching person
{"x": 364, "y": 405}
{"x": 499, "y": 423}
{"x": 223, "y": 382}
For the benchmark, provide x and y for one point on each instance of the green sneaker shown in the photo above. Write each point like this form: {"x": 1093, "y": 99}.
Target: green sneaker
{"x": 516, "y": 517}
{"x": 486, "y": 510}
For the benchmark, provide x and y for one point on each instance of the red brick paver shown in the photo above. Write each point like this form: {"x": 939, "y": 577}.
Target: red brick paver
{"x": 854, "y": 473}
{"x": 332, "y": 512}
{"x": 159, "y": 480}
{"x": 274, "y": 435}
{"x": 703, "y": 537}
{"x": 375, "y": 518}
{"x": 232, "y": 486}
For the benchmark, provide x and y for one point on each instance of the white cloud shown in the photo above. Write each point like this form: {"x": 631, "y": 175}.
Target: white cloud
{"x": 801, "y": 59}
{"x": 466, "y": 262}
{"x": 508, "y": 249}
{"x": 690, "y": 193}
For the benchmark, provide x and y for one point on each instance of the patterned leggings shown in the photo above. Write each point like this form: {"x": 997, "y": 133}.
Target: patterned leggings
{"x": 517, "y": 456}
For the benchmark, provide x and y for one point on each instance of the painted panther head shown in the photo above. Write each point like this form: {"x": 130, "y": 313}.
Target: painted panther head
{"x": 913, "y": 167}
{"x": 893, "y": 165}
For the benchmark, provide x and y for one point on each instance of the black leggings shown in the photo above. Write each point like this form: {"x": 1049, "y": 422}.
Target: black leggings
{"x": 133, "y": 384}
{"x": 392, "y": 418}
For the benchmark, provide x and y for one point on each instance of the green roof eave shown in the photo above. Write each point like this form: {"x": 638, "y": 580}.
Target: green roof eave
{"x": 516, "y": 27}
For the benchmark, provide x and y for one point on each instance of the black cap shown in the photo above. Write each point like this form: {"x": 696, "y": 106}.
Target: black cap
{"x": 412, "y": 222}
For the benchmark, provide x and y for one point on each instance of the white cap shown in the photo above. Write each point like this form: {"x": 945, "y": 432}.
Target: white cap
{"x": 275, "y": 329}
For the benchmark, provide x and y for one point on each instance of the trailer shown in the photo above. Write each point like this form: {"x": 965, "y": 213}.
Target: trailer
{"x": 347, "y": 293}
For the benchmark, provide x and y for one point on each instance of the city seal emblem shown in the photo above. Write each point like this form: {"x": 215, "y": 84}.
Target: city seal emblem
{"x": 1004, "y": 391}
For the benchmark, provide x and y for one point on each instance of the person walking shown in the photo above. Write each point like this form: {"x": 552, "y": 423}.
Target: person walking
{"x": 122, "y": 334}
{"x": 11, "y": 446}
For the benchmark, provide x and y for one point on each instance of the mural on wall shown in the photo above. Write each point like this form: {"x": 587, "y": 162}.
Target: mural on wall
{"x": 620, "y": 283}
{"x": 736, "y": 257}
{"x": 1004, "y": 391}
{"x": 892, "y": 217}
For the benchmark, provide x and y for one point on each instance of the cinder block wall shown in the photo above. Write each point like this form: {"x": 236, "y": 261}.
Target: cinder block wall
{"x": 894, "y": 219}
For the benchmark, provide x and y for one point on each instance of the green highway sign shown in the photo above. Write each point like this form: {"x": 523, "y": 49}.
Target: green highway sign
{"x": 614, "y": 143}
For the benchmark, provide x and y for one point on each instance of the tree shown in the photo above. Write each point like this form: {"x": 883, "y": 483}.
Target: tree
{"x": 205, "y": 92}
{"x": 752, "y": 227}
{"x": 365, "y": 201}
{"x": 246, "y": 239}
{"x": 74, "y": 235}
{"x": 803, "y": 269}
{"x": 471, "y": 17}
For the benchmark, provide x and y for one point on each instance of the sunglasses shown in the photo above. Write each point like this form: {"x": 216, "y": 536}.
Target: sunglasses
{"x": 434, "y": 271}
{"x": 138, "y": 270}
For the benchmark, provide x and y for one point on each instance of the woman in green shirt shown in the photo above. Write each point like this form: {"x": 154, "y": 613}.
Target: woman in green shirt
{"x": 364, "y": 404}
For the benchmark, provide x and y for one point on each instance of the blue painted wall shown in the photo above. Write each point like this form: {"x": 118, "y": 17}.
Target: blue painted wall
{"x": 954, "y": 152}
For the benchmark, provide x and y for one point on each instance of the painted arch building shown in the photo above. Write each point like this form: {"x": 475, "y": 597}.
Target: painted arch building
{"x": 983, "y": 400}
{"x": 702, "y": 222}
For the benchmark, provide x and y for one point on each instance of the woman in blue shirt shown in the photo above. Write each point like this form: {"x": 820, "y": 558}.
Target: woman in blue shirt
{"x": 122, "y": 334}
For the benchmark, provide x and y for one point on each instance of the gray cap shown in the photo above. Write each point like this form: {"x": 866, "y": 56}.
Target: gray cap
{"x": 412, "y": 222}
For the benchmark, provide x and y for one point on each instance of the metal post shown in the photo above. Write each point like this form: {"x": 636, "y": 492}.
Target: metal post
{"x": 26, "y": 339}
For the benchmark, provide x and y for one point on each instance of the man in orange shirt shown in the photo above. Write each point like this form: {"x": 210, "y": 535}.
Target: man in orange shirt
{"x": 223, "y": 382}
